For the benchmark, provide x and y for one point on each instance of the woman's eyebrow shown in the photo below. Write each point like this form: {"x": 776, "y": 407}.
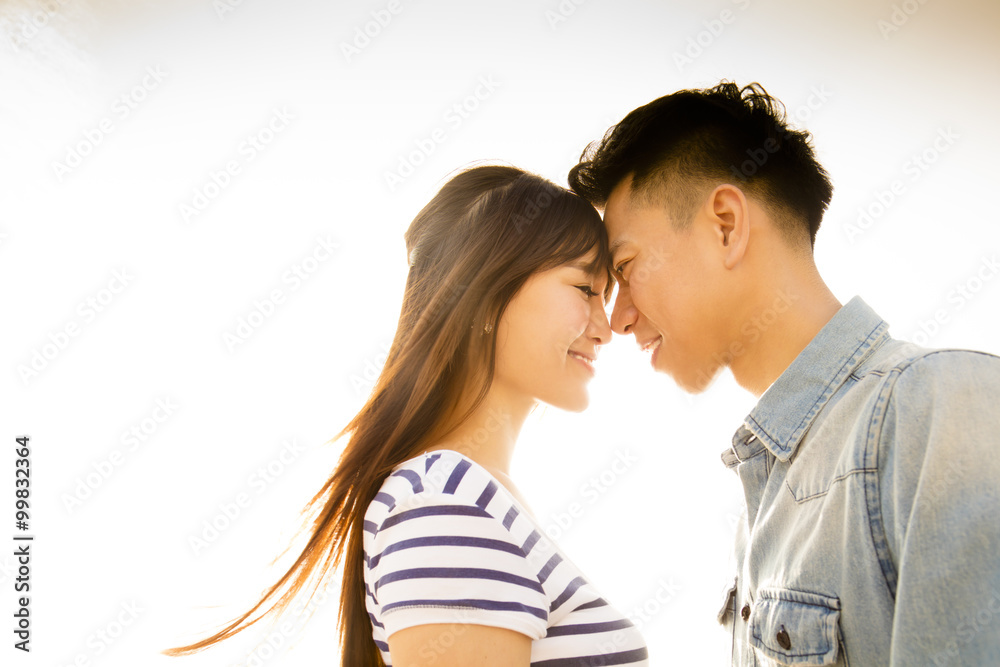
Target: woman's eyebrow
{"x": 596, "y": 273}
{"x": 592, "y": 269}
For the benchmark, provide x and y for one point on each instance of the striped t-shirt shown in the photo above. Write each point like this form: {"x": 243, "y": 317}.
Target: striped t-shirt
{"x": 446, "y": 543}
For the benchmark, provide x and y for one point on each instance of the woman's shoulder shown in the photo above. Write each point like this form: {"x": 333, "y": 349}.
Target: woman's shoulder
{"x": 441, "y": 477}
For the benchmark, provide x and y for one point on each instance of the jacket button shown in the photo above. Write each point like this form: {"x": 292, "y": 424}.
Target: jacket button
{"x": 784, "y": 641}
{"x": 745, "y": 612}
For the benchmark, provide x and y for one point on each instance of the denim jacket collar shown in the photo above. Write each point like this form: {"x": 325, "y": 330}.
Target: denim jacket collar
{"x": 787, "y": 409}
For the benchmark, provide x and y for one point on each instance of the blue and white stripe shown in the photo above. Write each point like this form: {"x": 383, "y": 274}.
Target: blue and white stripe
{"x": 446, "y": 543}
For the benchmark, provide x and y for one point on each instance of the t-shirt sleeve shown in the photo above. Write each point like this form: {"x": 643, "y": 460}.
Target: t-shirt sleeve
{"x": 442, "y": 558}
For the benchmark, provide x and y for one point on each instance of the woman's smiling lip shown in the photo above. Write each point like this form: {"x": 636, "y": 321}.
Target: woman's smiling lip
{"x": 584, "y": 358}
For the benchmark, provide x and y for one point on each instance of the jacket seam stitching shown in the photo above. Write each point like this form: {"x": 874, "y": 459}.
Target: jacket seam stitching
{"x": 833, "y": 481}
{"x": 873, "y": 492}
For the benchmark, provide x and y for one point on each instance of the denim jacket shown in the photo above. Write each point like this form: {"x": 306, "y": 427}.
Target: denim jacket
{"x": 871, "y": 474}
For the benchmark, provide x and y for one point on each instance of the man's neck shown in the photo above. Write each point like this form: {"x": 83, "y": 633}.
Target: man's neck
{"x": 784, "y": 322}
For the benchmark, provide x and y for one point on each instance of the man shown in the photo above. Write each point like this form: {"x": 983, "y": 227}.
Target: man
{"x": 870, "y": 466}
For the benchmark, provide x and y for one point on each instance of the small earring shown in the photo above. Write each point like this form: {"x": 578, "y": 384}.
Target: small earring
{"x": 488, "y": 328}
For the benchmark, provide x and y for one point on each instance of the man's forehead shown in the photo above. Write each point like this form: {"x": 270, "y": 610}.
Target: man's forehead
{"x": 624, "y": 204}
{"x": 621, "y": 195}
{"x": 617, "y": 214}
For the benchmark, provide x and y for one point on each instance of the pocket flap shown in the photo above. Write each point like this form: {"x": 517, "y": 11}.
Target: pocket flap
{"x": 727, "y": 602}
{"x": 795, "y": 628}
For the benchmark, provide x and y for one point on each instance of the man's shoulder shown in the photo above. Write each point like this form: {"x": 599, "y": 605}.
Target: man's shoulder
{"x": 898, "y": 361}
{"x": 903, "y": 381}
{"x": 914, "y": 392}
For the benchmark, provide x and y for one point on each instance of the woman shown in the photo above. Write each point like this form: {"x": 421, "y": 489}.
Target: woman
{"x": 442, "y": 562}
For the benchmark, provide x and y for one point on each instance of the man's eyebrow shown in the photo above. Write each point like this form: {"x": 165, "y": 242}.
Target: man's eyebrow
{"x": 617, "y": 244}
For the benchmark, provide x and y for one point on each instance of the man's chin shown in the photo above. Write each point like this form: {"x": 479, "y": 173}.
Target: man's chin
{"x": 691, "y": 381}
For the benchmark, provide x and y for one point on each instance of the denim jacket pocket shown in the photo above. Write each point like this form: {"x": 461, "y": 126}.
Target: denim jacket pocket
{"x": 789, "y": 627}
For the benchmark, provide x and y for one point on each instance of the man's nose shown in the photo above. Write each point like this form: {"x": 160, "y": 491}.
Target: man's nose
{"x": 624, "y": 314}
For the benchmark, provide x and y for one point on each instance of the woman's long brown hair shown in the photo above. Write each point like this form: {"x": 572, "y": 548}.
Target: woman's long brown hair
{"x": 471, "y": 248}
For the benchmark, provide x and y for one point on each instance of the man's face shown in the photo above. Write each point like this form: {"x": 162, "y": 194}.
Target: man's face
{"x": 671, "y": 292}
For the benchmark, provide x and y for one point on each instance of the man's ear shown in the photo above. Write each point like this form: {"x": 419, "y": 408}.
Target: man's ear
{"x": 730, "y": 216}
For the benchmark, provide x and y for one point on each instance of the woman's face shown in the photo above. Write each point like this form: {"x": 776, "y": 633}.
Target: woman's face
{"x": 549, "y": 335}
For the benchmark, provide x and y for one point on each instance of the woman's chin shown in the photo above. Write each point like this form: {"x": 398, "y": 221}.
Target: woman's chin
{"x": 572, "y": 403}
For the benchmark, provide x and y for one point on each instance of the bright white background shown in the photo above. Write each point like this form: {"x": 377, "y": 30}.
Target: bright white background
{"x": 655, "y": 534}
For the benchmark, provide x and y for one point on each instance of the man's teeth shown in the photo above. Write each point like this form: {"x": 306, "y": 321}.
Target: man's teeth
{"x": 655, "y": 344}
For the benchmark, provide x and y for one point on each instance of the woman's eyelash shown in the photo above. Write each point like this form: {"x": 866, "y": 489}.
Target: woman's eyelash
{"x": 587, "y": 289}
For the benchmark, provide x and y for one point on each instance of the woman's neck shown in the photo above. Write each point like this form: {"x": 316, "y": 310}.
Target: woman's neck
{"x": 490, "y": 433}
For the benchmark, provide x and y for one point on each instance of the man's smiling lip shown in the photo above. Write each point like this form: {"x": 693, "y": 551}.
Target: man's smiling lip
{"x": 651, "y": 345}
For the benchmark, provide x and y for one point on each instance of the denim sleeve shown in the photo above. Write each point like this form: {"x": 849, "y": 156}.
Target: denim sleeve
{"x": 939, "y": 497}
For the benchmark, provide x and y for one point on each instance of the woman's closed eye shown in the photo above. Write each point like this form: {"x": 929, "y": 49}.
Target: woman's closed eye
{"x": 588, "y": 290}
